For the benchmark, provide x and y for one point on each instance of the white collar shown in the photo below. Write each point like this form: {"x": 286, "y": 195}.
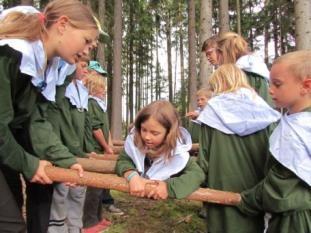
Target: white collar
{"x": 290, "y": 144}
{"x": 161, "y": 169}
{"x": 242, "y": 112}
{"x": 33, "y": 64}
{"x": 77, "y": 94}
{"x": 254, "y": 64}
{"x": 102, "y": 103}
{"x": 64, "y": 69}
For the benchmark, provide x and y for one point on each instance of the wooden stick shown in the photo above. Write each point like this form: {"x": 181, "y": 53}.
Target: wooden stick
{"x": 109, "y": 181}
{"x": 95, "y": 165}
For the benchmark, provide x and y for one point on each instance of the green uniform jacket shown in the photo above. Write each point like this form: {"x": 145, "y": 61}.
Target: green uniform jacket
{"x": 60, "y": 115}
{"x": 99, "y": 120}
{"x": 282, "y": 194}
{"x": 260, "y": 84}
{"x": 232, "y": 163}
{"x": 179, "y": 186}
{"x": 18, "y": 98}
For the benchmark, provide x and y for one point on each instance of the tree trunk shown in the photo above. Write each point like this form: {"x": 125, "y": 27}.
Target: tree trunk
{"x": 116, "y": 121}
{"x": 182, "y": 73}
{"x": 169, "y": 56}
{"x": 224, "y": 16}
{"x": 27, "y": 2}
{"x": 192, "y": 55}
{"x": 101, "y": 46}
{"x": 303, "y": 24}
{"x": 206, "y": 31}
{"x": 238, "y": 17}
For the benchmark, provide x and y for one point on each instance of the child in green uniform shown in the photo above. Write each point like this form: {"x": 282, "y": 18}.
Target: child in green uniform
{"x": 233, "y": 145}
{"x": 92, "y": 218}
{"x": 157, "y": 149}
{"x": 69, "y": 119}
{"x": 232, "y": 48}
{"x": 31, "y": 44}
{"x": 285, "y": 191}
{"x": 203, "y": 95}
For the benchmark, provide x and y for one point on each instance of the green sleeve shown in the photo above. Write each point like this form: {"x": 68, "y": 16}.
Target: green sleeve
{"x": 11, "y": 153}
{"x": 281, "y": 191}
{"x": 88, "y": 134}
{"x": 46, "y": 144}
{"x": 124, "y": 163}
{"x": 187, "y": 181}
{"x": 95, "y": 114}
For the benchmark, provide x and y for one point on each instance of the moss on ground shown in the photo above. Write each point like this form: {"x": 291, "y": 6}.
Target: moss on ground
{"x": 150, "y": 216}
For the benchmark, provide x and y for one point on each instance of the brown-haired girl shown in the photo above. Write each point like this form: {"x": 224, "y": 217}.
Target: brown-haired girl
{"x": 157, "y": 149}
{"x": 233, "y": 145}
{"x": 233, "y": 48}
{"x": 31, "y": 43}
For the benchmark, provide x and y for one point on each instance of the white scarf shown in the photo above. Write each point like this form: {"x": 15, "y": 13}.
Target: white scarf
{"x": 77, "y": 94}
{"x": 33, "y": 64}
{"x": 198, "y": 110}
{"x": 242, "y": 112}
{"x": 102, "y": 103}
{"x": 161, "y": 169}
{"x": 290, "y": 144}
{"x": 64, "y": 69}
{"x": 254, "y": 64}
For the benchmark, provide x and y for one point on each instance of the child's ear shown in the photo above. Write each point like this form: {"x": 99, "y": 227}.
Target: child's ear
{"x": 307, "y": 84}
{"x": 62, "y": 23}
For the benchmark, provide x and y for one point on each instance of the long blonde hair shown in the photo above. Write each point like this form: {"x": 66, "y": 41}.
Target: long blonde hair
{"x": 232, "y": 46}
{"x": 164, "y": 113}
{"x": 227, "y": 78}
{"x": 30, "y": 27}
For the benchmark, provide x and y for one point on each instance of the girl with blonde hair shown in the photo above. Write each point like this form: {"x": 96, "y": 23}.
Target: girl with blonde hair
{"x": 157, "y": 149}
{"x": 233, "y": 145}
{"x": 233, "y": 48}
{"x": 31, "y": 45}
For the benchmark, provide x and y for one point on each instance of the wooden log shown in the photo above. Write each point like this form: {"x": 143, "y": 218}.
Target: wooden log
{"x": 110, "y": 181}
{"x": 194, "y": 149}
{"x": 113, "y": 157}
{"x": 118, "y": 142}
{"x": 94, "y": 165}
{"x": 117, "y": 149}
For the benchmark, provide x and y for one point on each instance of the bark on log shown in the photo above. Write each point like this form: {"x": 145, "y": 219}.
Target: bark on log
{"x": 95, "y": 165}
{"x": 109, "y": 181}
{"x": 113, "y": 157}
{"x": 118, "y": 142}
{"x": 194, "y": 149}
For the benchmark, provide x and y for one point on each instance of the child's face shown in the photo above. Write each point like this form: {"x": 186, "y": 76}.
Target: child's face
{"x": 81, "y": 70}
{"x": 211, "y": 55}
{"x": 152, "y": 133}
{"x": 285, "y": 89}
{"x": 74, "y": 41}
{"x": 201, "y": 101}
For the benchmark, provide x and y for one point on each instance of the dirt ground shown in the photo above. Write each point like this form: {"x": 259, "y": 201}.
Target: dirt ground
{"x": 150, "y": 216}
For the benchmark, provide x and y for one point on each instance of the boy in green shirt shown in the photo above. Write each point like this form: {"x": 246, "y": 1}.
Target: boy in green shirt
{"x": 285, "y": 191}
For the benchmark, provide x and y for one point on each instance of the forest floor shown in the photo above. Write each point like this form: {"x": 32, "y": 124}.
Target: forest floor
{"x": 150, "y": 216}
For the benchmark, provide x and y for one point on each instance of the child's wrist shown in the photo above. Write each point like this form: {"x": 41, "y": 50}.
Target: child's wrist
{"x": 131, "y": 175}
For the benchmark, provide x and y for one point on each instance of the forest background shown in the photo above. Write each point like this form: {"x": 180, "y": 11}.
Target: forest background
{"x": 152, "y": 49}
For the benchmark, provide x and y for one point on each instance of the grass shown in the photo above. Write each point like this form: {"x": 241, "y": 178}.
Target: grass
{"x": 150, "y": 216}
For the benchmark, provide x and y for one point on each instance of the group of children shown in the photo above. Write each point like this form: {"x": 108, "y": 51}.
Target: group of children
{"x": 53, "y": 110}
